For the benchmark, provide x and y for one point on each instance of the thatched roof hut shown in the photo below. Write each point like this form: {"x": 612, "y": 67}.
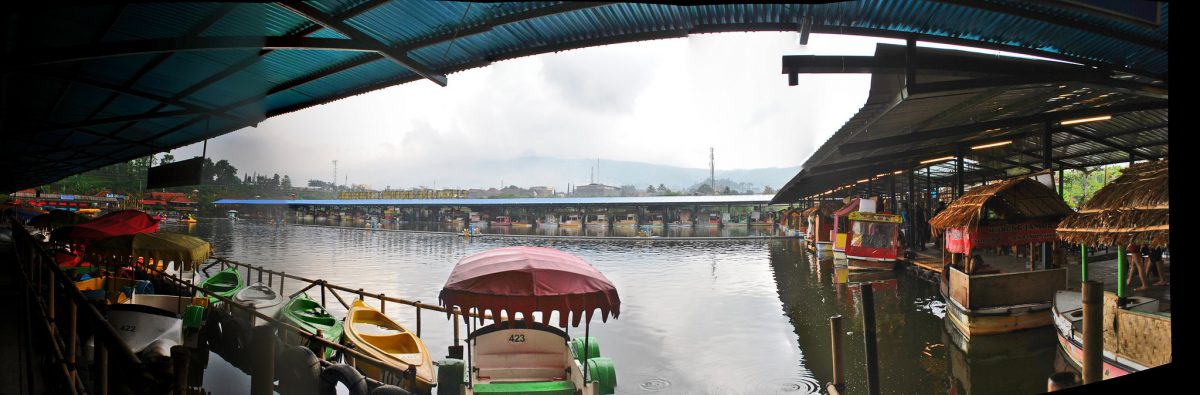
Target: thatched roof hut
{"x": 1134, "y": 208}
{"x": 1017, "y": 199}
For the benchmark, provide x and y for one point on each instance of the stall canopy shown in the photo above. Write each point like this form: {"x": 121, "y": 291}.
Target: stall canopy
{"x": 528, "y": 279}
{"x": 164, "y": 247}
{"x": 1019, "y": 210}
{"x": 116, "y": 223}
{"x": 1133, "y": 209}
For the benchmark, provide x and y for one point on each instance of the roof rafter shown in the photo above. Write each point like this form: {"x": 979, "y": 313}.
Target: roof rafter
{"x": 339, "y": 25}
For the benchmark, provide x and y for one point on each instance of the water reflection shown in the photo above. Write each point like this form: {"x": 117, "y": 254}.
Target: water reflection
{"x": 737, "y": 316}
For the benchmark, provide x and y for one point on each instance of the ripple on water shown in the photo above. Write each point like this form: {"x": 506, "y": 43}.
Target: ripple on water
{"x": 801, "y": 385}
{"x": 655, "y": 384}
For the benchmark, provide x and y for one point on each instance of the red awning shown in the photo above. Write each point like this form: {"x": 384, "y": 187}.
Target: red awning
{"x": 116, "y": 223}
{"x": 528, "y": 279}
{"x": 148, "y": 202}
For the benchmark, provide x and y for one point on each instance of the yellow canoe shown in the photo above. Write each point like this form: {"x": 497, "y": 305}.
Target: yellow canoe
{"x": 372, "y": 333}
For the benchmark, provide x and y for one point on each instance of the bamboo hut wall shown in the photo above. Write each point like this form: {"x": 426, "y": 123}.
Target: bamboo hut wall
{"x": 1144, "y": 338}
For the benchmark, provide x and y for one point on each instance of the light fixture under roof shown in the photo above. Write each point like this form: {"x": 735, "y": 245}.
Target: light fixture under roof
{"x": 944, "y": 158}
{"x": 1085, "y": 120}
{"x": 997, "y": 144}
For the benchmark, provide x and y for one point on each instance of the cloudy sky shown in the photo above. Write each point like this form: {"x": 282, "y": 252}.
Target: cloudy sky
{"x": 663, "y": 102}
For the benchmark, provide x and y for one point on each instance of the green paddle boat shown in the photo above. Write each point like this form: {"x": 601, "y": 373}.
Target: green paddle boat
{"x": 308, "y": 314}
{"x": 226, "y": 283}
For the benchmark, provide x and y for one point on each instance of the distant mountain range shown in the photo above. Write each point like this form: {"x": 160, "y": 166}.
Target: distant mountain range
{"x": 556, "y": 172}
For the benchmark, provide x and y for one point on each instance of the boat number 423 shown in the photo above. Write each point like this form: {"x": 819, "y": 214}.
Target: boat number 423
{"x": 516, "y": 338}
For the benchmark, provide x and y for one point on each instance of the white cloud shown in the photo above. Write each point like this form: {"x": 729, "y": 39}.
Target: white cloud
{"x": 663, "y": 102}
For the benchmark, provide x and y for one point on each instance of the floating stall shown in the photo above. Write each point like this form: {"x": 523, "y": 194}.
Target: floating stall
{"x": 1133, "y": 210}
{"x": 873, "y": 240}
{"x": 1009, "y": 294}
{"x": 820, "y": 227}
{"x": 841, "y": 226}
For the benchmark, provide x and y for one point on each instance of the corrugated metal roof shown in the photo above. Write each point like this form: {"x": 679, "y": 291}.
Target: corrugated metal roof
{"x": 567, "y": 201}
{"x": 903, "y": 124}
{"x": 212, "y": 59}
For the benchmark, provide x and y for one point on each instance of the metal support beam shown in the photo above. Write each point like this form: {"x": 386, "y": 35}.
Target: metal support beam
{"x": 1047, "y": 146}
{"x": 1099, "y": 140}
{"x": 184, "y": 44}
{"x": 960, "y": 130}
{"x": 958, "y": 175}
{"x": 340, "y": 26}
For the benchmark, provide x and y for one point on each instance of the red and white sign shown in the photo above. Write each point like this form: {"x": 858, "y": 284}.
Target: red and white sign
{"x": 959, "y": 240}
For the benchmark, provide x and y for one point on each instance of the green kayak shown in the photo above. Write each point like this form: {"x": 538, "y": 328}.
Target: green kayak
{"x": 225, "y": 283}
{"x": 309, "y": 315}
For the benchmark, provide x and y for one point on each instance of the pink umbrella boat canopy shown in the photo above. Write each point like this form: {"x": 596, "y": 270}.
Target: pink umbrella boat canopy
{"x": 528, "y": 279}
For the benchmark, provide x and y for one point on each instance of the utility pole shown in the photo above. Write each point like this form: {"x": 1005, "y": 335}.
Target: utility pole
{"x": 334, "y": 186}
{"x": 712, "y": 170}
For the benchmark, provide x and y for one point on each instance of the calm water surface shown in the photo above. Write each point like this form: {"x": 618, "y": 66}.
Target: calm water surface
{"x": 729, "y": 317}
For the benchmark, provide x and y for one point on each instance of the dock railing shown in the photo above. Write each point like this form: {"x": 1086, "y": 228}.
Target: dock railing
{"x": 60, "y": 310}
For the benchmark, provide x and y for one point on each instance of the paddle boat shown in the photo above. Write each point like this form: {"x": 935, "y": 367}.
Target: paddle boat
{"x": 501, "y": 220}
{"x": 378, "y": 336}
{"x": 261, "y": 298}
{"x": 572, "y": 221}
{"x": 152, "y": 324}
{"x": 630, "y": 221}
{"x": 309, "y": 315}
{"x": 226, "y": 283}
{"x": 524, "y": 356}
{"x": 521, "y": 224}
{"x": 113, "y": 289}
{"x": 598, "y": 221}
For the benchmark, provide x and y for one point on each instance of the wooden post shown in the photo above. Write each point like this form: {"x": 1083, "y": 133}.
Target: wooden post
{"x": 179, "y": 361}
{"x": 322, "y": 293}
{"x": 1093, "y": 331}
{"x": 383, "y": 305}
{"x": 50, "y": 305}
{"x": 455, "y": 328}
{"x": 72, "y": 326}
{"x": 320, "y": 348}
{"x": 262, "y": 377}
{"x": 868, "y": 306}
{"x": 418, "y": 304}
{"x": 835, "y": 336}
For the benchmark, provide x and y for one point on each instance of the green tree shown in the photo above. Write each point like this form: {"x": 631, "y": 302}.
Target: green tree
{"x": 650, "y": 189}
{"x": 767, "y": 190}
{"x": 286, "y": 183}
